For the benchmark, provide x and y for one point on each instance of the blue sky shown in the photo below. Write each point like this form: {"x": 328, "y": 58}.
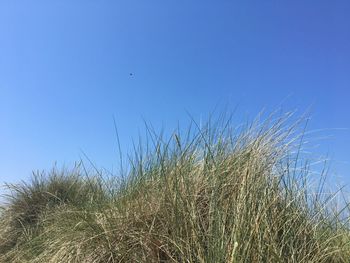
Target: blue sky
{"x": 65, "y": 72}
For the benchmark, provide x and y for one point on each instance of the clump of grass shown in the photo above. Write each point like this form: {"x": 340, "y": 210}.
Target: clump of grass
{"x": 214, "y": 194}
{"x": 29, "y": 203}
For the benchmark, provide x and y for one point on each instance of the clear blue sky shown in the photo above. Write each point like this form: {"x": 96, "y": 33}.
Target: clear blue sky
{"x": 65, "y": 71}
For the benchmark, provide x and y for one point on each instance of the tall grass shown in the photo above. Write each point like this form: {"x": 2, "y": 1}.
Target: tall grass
{"x": 213, "y": 194}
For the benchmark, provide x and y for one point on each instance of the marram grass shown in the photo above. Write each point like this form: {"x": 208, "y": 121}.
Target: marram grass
{"x": 218, "y": 194}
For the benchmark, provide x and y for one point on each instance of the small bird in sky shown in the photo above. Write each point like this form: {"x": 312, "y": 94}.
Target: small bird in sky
{"x": 130, "y": 74}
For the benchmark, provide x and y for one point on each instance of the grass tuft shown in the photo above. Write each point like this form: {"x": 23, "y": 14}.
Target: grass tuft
{"x": 213, "y": 194}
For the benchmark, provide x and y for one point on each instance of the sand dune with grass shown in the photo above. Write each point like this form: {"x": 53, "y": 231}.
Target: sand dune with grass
{"x": 215, "y": 193}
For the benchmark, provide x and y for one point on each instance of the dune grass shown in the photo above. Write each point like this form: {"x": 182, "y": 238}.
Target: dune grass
{"x": 213, "y": 194}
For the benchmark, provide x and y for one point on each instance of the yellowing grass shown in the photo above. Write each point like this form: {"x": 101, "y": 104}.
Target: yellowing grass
{"x": 217, "y": 194}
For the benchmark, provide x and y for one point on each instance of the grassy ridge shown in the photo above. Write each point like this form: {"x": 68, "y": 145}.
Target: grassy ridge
{"x": 218, "y": 194}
